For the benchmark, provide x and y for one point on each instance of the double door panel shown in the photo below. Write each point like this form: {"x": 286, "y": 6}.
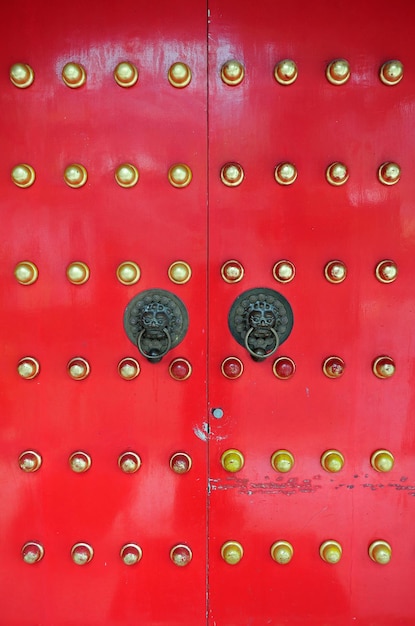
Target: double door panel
{"x": 174, "y": 233}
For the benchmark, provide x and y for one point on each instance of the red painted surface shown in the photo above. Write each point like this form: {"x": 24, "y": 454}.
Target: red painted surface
{"x": 207, "y": 124}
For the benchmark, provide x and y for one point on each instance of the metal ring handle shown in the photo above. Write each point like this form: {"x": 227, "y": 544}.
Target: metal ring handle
{"x": 156, "y": 356}
{"x": 262, "y": 356}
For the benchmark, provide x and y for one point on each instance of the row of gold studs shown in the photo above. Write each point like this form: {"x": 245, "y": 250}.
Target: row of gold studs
{"x": 232, "y": 368}
{"x": 179, "y": 74}
{"x": 180, "y": 175}
{"x": 232, "y": 460}
{"x": 180, "y": 272}
{"x": 281, "y": 551}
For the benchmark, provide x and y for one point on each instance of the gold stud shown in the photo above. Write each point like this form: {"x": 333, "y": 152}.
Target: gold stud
{"x": 382, "y": 461}
{"x": 82, "y": 553}
{"x": 28, "y": 367}
{"x": 32, "y": 552}
{"x": 22, "y": 75}
{"x": 30, "y": 461}
{"x": 126, "y": 74}
{"x": 333, "y": 367}
{"x": 77, "y": 273}
{"x": 128, "y": 368}
{"x": 131, "y": 553}
{"x": 283, "y": 271}
{"x": 75, "y": 175}
{"x": 23, "y": 175}
{"x": 285, "y": 173}
{"x": 391, "y": 72}
{"x": 386, "y": 271}
{"x": 128, "y": 273}
{"x": 181, "y": 555}
{"x": 337, "y": 174}
{"x": 383, "y": 367}
{"x": 232, "y": 460}
{"x": 286, "y": 72}
{"x": 332, "y": 461}
{"x": 129, "y": 462}
{"x": 180, "y": 463}
{"x": 283, "y": 368}
{"x": 338, "y": 72}
{"x": 232, "y": 271}
{"x": 80, "y": 462}
{"x": 180, "y": 175}
{"x": 26, "y": 273}
{"x": 389, "y": 173}
{"x": 335, "y": 271}
{"x": 232, "y": 552}
{"x": 74, "y": 75}
{"x": 179, "y": 272}
{"x": 282, "y": 552}
{"x": 282, "y": 461}
{"x": 232, "y": 73}
{"x": 179, "y": 75}
{"x": 232, "y": 174}
{"x": 331, "y": 551}
{"x": 78, "y": 368}
{"x": 126, "y": 175}
{"x": 380, "y": 552}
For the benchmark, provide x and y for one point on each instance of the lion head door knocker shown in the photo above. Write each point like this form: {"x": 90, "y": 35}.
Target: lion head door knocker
{"x": 155, "y": 321}
{"x": 260, "y": 319}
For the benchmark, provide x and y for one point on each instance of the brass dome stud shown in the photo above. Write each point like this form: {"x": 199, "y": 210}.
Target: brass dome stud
{"x": 380, "y": 551}
{"x": 30, "y": 461}
{"x": 179, "y": 75}
{"x": 282, "y": 461}
{"x": 333, "y": 367}
{"x": 180, "y": 369}
{"x": 180, "y": 463}
{"x": 126, "y": 175}
{"x": 131, "y": 553}
{"x": 232, "y": 367}
{"x": 75, "y": 175}
{"x": 181, "y": 555}
{"x": 382, "y": 461}
{"x": 129, "y": 462}
{"x": 283, "y": 368}
{"x": 282, "y": 552}
{"x": 232, "y": 552}
{"x": 128, "y": 273}
{"x": 389, "y": 173}
{"x": 180, "y": 175}
{"x": 232, "y": 271}
{"x": 335, "y": 271}
{"x": 126, "y": 74}
{"x": 26, "y": 273}
{"x": 286, "y": 72}
{"x": 28, "y": 367}
{"x": 74, "y": 75}
{"x": 128, "y": 368}
{"x": 283, "y": 271}
{"x": 383, "y": 367}
{"x": 78, "y": 368}
{"x": 337, "y": 174}
{"x": 232, "y": 174}
{"x": 32, "y": 552}
{"x": 77, "y": 273}
{"x": 82, "y": 553}
{"x": 338, "y": 72}
{"x": 332, "y": 461}
{"x": 285, "y": 173}
{"x": 331, "y": 551}
{"x": 232, "y": 73}
{"x": 391, "y": 73}
{"x": 386, "y": 271}
{"x": 23, "y": 175}
{"x": 179, "y": 272}
{"x": 232, "y": 460}
{"x": 21, "y": 75}
{"x": 80, "y": 462}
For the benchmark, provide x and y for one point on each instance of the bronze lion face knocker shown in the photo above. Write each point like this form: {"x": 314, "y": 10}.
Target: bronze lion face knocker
{"x": 261, "y": 319}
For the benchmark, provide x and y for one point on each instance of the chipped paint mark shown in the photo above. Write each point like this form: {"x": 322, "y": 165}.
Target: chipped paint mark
{"x": 290, "y": 487}
{"x": 200, "y": 433}
{"x": 307, "y": 392}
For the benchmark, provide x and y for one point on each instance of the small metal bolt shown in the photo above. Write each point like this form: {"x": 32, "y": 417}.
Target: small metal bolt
{"x": 218, "y": 413}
